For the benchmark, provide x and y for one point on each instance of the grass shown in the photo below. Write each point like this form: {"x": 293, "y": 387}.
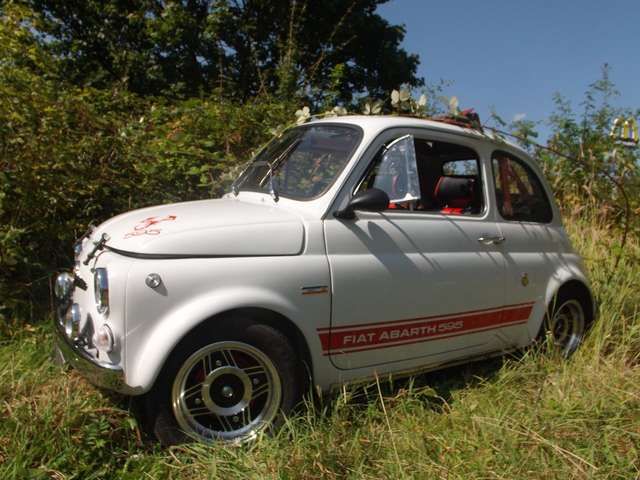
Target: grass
{"x": 535, "y": 416}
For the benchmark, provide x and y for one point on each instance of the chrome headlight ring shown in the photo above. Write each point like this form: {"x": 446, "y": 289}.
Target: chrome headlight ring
{"x": 101, "y": 290}
{"x": 72, "y": 321}
{"x": 64, "y": 286}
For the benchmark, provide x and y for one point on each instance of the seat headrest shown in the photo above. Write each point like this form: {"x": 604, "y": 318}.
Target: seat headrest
{"x": 454, "y": 191}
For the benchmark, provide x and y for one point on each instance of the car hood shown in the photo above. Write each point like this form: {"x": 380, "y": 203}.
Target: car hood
{"x": 221, "y": 227}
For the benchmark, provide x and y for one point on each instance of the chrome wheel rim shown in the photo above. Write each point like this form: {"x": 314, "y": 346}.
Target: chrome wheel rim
{"x": 567, "y": 327}
{"x": 227, "y": 391}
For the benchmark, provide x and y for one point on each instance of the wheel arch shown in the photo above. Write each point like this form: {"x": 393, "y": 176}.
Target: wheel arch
{"x": 195, "y": 318}
{"x": 569, "y": 276}
{"x": 581, "y": 289}
{"x": 262, "y": 315}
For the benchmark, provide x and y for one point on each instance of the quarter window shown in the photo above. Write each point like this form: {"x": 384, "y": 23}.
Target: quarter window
{"x": 519, "y": 192}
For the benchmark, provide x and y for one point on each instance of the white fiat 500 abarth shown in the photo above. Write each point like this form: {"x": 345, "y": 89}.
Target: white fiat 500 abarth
{"x": 350, "y": 247}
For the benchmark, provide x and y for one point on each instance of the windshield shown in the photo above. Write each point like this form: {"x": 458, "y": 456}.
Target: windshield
{"x": 303, "y": 163}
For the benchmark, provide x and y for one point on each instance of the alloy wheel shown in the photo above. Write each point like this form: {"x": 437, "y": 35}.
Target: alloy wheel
{"x": 227, "y": 391}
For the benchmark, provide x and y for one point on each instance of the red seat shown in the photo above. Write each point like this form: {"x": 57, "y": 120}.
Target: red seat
{"x": 454, "y": 194}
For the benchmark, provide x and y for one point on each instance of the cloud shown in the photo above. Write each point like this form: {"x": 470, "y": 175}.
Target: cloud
{"x": 519, "y": 116}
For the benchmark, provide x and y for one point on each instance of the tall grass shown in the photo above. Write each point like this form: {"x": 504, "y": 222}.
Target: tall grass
{"x": 535, "y": 416}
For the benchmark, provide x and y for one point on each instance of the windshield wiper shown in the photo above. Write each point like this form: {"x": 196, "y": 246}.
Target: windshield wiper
{"x": 235, "y": 186}
{"x": 272, "y": 168}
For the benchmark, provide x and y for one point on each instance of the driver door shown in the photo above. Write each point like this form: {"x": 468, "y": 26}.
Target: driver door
{"x": 410, "y": 284}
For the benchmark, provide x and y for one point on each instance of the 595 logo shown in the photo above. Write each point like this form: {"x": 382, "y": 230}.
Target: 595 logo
{"x": 146, "y": 226}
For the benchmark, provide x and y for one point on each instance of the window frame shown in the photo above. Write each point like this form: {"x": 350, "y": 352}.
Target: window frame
{"x": 530, "y": 171}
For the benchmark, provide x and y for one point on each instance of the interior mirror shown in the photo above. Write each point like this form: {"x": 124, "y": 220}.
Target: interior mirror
{"x": 372, "y": 200}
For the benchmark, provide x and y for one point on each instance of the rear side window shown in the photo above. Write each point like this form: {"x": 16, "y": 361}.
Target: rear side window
{"x": 519, "y": 192}
{"x": 460, "y": 167}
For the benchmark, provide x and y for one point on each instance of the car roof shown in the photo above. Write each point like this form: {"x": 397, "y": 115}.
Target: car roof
{"x": 373, "y": 124}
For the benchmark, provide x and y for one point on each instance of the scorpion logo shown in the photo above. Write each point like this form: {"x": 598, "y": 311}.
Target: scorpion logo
{"x": 144, "y": 227}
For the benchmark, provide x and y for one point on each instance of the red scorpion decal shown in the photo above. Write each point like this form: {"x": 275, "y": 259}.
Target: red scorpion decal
{"x": 142, "y": 228}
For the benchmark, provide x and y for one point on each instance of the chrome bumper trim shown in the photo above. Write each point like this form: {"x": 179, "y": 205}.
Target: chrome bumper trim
{"x": 104, "y": 375}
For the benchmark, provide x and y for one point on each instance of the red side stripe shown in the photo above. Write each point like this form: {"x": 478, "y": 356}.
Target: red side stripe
{"x": 392, "y": 334}
{"x": 431, "y": 317}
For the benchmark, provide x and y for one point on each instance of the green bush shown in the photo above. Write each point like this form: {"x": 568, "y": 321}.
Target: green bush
{"x": 72, "y": 156}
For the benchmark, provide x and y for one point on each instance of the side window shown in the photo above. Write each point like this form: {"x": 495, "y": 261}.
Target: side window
{"x": 519, "y": 192}
{"x": 428, "y": 176}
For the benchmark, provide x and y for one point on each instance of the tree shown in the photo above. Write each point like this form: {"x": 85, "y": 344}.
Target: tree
{"x": 242, "y": 48}
{"x": 599, "y": 158}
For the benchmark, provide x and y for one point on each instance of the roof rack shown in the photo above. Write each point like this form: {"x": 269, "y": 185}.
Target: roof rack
{"x": 466, "y": 119}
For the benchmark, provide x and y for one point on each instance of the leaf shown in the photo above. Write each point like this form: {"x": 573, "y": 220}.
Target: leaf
{"x": 377, "y": 107}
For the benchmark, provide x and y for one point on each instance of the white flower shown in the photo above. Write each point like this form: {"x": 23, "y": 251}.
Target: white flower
{"x": 453, "y": 105}
{"x": 395, "y": 97}
{"x": 373, "y": 109}
{"x": 339, "y": 110}
{"x": 302, "y": 115}
{"x": 405, "y": 95}
{"x": 422, "y": 101}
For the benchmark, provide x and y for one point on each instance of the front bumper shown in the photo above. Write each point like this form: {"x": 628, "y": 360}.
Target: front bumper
{"x": 103, "y": 375}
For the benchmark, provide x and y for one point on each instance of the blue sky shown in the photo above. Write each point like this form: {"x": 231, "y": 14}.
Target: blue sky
{"x": 513, "y": 55}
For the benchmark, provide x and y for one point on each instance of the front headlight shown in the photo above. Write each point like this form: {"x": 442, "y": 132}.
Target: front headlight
{"x": 64, "y": 286}
{"x": 101, "y": 289}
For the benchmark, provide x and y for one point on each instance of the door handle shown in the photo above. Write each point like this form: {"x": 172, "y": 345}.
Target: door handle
{"x": 488, "y": 240}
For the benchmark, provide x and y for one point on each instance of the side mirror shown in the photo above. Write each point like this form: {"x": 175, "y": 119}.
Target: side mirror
{"x": 372, "y": 200}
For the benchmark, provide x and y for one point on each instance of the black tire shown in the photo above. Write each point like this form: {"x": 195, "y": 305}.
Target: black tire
{"x": 160, "y": 412}
{"x": 567, "y": 321}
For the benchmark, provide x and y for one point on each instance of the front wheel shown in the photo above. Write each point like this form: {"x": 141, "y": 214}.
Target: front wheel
{"x": 227, "y": 389}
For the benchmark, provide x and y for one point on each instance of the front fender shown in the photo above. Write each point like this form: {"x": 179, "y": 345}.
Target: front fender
{"x": 148, "y": 350}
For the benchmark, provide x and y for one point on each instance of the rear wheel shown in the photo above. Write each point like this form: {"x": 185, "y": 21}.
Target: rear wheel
{"x": 566, "y": 322}
{"x": 229, "y": 390}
